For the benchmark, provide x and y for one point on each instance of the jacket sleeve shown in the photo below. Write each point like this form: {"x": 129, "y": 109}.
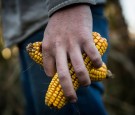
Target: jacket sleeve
{"x": 54, "y": 5}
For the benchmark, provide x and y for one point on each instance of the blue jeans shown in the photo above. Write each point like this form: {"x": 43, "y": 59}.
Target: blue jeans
{"x": 35, "y": 82}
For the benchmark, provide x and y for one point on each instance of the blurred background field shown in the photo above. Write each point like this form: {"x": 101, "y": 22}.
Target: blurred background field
{"x": 119, "y": 94}
{"x": 11, "y": 98}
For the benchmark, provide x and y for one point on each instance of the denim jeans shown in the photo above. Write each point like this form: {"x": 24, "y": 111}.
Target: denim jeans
{"x": 35, "y": 82}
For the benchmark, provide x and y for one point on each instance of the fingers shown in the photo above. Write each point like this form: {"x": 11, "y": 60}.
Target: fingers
{"x": 91, "y": 50}
{"x": 79, "y": 67}
{"x": 64, "y": 76}
{"x": 48, "y": 62}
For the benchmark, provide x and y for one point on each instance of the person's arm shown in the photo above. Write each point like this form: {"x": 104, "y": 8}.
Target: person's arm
{"x": 68, "y": 33}
{"x": 55, "y": 5}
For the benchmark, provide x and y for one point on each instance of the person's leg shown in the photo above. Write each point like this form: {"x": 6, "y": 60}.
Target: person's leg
{"x": 34, "y": 80}
{"x": 25, "y": 82}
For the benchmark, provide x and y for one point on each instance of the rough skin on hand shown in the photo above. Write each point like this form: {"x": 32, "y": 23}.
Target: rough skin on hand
{"x": 55, "y": 96}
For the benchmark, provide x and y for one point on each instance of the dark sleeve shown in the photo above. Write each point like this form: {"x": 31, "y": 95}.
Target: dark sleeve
{"x": 54, "y": 5}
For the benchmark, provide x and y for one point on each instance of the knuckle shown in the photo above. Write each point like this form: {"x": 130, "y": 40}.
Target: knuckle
{"x": 62, "y": 75}
{"x": 69, "y": 95}
{"x": 46, "y": 47}
{"x": 46, "y": 56}
{"x": 79, "y": 70}
{"x": 96, "y": 61}
{"x": 85, "y": 82}
{"x": 84, "y": 42}
{"x": 71, "y": 44}
{"x": 57, "y": 43}
{"x": 83, "y": 33}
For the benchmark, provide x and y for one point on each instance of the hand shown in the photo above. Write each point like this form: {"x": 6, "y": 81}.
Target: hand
{"x": 67, "y": 35}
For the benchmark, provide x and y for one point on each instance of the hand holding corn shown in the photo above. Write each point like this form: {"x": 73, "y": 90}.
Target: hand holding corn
{"x": 67, "y": 35}
{"x": 55, "y": 96}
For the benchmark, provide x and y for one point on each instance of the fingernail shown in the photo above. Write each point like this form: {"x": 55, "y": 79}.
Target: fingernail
{"x": 73, "y": 100}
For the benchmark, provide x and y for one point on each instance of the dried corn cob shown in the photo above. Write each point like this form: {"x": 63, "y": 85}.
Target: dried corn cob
{"x": 55, "y": 96}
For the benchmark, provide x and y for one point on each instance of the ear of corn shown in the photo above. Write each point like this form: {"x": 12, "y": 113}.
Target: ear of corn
{"x": 55, "y": 96}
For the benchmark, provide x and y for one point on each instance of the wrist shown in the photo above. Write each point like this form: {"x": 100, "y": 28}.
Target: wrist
{"x": 77, "y": 16}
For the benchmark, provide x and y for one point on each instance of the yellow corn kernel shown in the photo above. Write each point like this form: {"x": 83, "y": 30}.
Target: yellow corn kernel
{"x": 55, "y": 96}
